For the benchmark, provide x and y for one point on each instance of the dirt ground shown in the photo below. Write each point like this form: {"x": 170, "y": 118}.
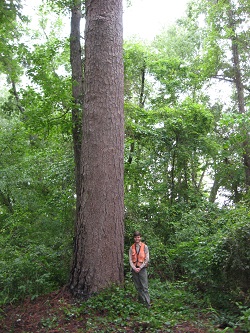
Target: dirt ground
{"x": 47, "y": 314}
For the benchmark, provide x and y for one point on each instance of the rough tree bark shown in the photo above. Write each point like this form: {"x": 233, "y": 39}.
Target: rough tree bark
{"x": 99, "y": 239}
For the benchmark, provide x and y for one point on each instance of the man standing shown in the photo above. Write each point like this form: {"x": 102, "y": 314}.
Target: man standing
{"x": 138, "y": 259}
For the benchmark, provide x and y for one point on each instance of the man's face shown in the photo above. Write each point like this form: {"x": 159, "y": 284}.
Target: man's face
{"x": 137, "y": 239}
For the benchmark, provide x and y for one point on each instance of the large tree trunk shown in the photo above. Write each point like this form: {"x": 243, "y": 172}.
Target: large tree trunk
{"x": 99, "y": 239}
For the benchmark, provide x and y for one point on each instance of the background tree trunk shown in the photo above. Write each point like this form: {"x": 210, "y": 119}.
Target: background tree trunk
{"x": 99, "y": 240}
{"x": 77, "y": 87}
{"x": 240, "y": 95}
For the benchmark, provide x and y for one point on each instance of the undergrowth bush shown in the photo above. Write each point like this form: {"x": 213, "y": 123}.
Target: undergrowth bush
{"x": 33, "y": 271}
{"x": 214, "y": 254}
{"x": 35, "y": 254}
{"x": 117, "y": 308}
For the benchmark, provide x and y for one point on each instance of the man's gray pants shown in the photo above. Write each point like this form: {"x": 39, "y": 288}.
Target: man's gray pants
{"x": 141, "y": 284}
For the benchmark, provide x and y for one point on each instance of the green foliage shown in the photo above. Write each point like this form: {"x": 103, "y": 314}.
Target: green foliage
{"x": 37, "y": 194}
{"x": 64, "y": 6}
{"x": 233, "y": 249}
{"x": 37, "y": 211}
{"x": 206, "y": 246}
{"x": 11, "y": 30}
{"x": 135, "y": 64}
{"x": 244, "y": 318}
{"x": 212, "y": 252}
{"x": 116, "y": 309}
{"x": 31, "y": 272}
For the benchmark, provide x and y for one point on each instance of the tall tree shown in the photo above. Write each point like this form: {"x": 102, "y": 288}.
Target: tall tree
{"x": 228, "y": 28}
{"x": 77, "y": 86}
{"x": 98, "y": 247}
{"x": 239, "y": 84}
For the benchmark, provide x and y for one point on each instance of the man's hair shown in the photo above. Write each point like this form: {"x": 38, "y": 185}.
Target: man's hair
{"x": 137, "y": 233}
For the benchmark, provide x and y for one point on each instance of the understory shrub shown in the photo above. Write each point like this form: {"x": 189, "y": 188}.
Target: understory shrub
{"x": 215, "y": 256}
{"x": 172, "y": 303}
{"x": 35, "y": 254}
{"x": 32, "y": 271}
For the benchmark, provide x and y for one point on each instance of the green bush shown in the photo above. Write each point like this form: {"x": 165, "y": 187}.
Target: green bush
{"x": 32, "y": 271}
{"x": 214, "y": 255}
{"x": 35, "y": 253}
{"x": 244, "y": 321}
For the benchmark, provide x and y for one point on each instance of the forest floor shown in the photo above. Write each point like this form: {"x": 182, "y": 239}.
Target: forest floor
{"x": 53, "y": 313}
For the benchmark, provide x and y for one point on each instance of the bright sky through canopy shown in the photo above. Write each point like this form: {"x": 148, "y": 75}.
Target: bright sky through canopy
{"x": 146, "y": 18}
